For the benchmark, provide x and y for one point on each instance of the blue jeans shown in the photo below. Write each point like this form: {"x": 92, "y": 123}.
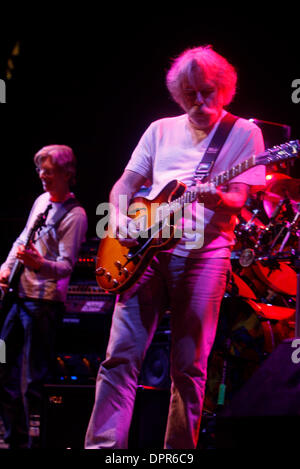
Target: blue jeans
{"x": 29, "y": 335}
{"x": 192, "y": 289}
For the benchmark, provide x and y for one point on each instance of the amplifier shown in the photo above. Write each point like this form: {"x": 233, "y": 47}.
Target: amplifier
{"x": 67, "y": 409}
{"x": 84, "y": 331}
{"x": 88, "y": 298}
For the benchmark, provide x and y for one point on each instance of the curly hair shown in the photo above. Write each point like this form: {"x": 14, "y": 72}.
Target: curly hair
{"x": 202, "y": 60}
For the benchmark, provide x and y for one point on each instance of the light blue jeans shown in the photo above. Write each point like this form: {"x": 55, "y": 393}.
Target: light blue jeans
{"x": 192, "y": 289}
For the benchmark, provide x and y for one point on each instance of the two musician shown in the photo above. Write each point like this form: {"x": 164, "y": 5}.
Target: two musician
{"x": 189, "y": 280}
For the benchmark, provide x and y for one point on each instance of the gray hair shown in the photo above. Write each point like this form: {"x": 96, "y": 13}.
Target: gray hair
{"x": 205, "y": 61}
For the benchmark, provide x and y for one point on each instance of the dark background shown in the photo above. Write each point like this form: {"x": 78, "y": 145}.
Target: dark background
{"x": 98, "y": 86}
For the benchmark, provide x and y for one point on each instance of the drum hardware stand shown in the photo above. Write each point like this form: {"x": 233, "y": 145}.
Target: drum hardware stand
{"x": 296, "y": 261}
{"x": 222, "y": 387}
{"x": 295, "y": 257}
{"x": 297, "y": 268}
{"x": 207, "y": 437}
{"x": 271, "y": 224}
{"x": 275, "y": 257}
{"x": 290, "y": 229}
{"x": 249, "y": 223}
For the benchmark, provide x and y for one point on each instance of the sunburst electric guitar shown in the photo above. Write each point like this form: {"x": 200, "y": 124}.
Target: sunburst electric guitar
{"x": 118, "y": 267}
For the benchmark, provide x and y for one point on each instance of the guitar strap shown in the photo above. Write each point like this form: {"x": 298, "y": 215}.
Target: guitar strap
{"x": 63, "y": 210}
{"x": 60, "y": 214}
{"x": 214, "y": 147}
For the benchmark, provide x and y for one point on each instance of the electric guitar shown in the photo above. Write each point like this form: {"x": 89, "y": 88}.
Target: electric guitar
{"x": 8, "y": 292}
{"x": 118, "y": 267}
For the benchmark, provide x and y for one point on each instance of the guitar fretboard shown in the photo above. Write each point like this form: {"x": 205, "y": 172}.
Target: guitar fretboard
{"x": 231, "y": 173}
{"x": 222, "y": 178}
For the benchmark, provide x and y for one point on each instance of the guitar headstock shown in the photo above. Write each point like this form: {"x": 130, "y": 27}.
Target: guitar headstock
{"x": 279, "y": 153}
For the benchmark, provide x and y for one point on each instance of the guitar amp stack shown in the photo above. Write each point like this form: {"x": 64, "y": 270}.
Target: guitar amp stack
{"x": 84, "y": 332}
{"x": 80, "y": 348}
{"x": 83, "y": 335}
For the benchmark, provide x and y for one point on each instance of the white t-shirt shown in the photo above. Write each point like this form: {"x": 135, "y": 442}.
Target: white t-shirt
{"x": 168, "y": 151}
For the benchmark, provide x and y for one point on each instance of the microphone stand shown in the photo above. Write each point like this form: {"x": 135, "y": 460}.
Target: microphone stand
{"x": 292, "y": 227}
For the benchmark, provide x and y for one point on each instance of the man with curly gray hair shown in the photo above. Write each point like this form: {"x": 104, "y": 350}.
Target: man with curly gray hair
{"x": 189, "y": 280}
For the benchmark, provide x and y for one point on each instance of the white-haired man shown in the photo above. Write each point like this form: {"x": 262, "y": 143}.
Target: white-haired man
{"x": 190, "y": 279}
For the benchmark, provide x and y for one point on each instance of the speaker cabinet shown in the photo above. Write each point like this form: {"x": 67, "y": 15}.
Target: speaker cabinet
{"x": 149, "y": 418}
{"x": 156, "y": 366}
{"x": 65, "y": 416}
{"x": 266, "y": 411}
{"x": 67, "y": 409}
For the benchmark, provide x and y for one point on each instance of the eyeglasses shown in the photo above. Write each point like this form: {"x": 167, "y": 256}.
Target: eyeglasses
{"x": 47, "y": 172}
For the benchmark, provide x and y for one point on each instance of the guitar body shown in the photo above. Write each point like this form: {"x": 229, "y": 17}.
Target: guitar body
{"x": 118, "y": 267}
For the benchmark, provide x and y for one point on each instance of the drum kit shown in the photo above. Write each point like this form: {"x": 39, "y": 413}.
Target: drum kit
{"x": 259, "y": 308}
{"x": 267, "y": 241}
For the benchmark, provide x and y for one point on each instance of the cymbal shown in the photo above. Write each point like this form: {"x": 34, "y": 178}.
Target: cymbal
{"x": 278, "y": 189}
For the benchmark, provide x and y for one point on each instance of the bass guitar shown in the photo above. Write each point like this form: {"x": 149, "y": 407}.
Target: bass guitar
{"x": 118, "y": 267}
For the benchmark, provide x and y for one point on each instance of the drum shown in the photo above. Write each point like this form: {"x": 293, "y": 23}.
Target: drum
{"x": 262, "y": 278}
{"x": 247, "y": 230}
{"x": 280, "y": 186}
{"x": 238, "y": 287}
{"x": 248, "y": 331}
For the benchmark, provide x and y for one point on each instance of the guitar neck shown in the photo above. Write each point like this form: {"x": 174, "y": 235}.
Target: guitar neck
{"x": 222, "y": 178}
{"x": 18, "y": 265}
{"x": 231, "y": 173}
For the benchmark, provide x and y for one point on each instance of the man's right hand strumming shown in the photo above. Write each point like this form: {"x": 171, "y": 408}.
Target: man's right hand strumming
{"x": 125, "y": 231}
